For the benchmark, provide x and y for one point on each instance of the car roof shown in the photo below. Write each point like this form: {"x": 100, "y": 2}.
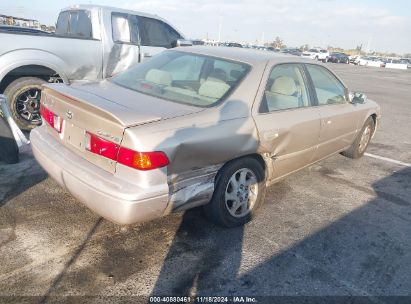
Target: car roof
{"x": 246, "y": 55}
{"x": 112, "y": 9}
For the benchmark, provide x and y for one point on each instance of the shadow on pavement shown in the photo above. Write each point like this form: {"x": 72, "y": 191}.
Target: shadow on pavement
{"x": 365, "y": 253}
{"x": 17, "y": 178}
{"x": 196, "y": 252}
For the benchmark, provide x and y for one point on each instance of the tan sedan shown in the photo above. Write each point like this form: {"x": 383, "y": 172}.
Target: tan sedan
{"x": 197, "y": 126}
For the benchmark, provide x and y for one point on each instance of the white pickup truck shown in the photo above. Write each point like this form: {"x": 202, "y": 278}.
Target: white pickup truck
{"x": 90, "y": 43}
{"x": 316, "y": 54}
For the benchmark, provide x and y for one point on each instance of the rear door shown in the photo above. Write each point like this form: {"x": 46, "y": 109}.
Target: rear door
{"x": 288, "y": 124}
{"x": 338, "y": 116}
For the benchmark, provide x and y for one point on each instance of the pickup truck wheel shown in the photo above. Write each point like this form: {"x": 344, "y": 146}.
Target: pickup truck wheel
{"x": 239, "y": 192}
{"x": 362, "y": 140}
{"x": 23, "y": 96}
{"x": 9, "y": 152}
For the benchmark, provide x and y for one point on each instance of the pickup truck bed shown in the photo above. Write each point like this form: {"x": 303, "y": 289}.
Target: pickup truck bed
{"x": 91, "y": 43}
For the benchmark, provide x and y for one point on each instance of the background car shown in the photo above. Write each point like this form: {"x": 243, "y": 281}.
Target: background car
{"x": 295, "y": 52}
{"x": 316, "y": 54}
{"x": 371, "y": 62}
{"x": 234, "y": 44}
{"x": 338, "y": 58}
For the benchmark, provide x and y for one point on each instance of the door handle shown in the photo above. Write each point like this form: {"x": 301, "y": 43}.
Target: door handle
{"x": 147, "y": 55}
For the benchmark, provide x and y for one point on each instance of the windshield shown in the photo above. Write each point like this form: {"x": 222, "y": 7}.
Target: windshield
{"x": 184, "y": 77}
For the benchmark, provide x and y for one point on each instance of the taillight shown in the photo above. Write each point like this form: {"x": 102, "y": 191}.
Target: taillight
{"x": 142, "y": 160}
{"x": 100, "y": 146}
{"x": 52, "y": 119}
{"x": 134, "y": 159}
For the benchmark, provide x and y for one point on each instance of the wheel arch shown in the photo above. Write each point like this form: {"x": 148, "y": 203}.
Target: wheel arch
{"x": 21, "y": 63}
{"x": 374, "y": 118}
{"x": 255, "y": 156}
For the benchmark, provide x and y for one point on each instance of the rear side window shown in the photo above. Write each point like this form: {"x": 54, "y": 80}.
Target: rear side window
{"x": 155, "y": 32}
{"x": 285, "y": 89}
{"x": 74, "y": 24}
{"x": 125, "y": 28}
{"x": 328, "y": 88}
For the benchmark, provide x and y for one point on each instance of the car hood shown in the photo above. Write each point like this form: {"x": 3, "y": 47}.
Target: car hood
{"x": 129, "y": 107}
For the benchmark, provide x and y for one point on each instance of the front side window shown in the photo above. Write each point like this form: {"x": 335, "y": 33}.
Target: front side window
{"x": 328, "y": 88}
{"x": 155, "y": 32}
{"x": 183, "y": 77}
{"x": 285, "y": 89}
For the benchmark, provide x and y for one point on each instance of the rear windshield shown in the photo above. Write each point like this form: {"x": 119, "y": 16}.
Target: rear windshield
{"x": 185, "y": 78}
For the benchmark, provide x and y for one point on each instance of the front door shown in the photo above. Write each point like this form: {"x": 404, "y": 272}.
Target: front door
{"x": 288, "y": 124}
{"x": 337, "y": 114}
{"x": 155, "y": 36}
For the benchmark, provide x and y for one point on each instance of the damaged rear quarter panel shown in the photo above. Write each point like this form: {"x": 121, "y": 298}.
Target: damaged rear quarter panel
{"x": 197, "y": 145}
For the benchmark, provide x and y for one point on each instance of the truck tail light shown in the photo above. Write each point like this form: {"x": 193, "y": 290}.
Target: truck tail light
{"x": 134, "y": 159}
{"x": 52, "y": 119}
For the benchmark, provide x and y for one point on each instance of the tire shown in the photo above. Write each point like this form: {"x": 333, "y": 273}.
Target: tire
{"x": 23, "y": 96}
{"x": 9, "y": 152}
{"x": 248, "y": 198}
{"x": 360, "y": 144}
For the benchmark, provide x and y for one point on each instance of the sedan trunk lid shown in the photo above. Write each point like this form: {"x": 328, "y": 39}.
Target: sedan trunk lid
{"x": 105, "y": 110}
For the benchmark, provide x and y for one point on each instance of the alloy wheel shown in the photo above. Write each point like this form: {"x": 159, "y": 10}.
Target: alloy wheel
{"x": 28, "y": 105}
{"x": 241, "y": 192}
{"x": 365, "y": 138}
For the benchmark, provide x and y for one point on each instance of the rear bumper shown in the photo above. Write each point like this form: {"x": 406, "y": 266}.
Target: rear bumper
{"x": 107, "y": 195}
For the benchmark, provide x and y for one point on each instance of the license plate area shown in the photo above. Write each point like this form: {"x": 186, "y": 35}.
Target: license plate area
{"x": 75, "y": 136}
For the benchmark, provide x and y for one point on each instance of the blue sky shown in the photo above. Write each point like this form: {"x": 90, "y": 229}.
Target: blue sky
{"x": 381, "y": 25}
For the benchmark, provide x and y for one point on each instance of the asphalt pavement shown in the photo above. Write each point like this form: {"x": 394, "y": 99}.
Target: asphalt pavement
{"x": 341, "y": 227}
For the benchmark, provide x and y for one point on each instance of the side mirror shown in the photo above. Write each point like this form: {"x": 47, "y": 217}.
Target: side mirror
{"x": 357, "y": 97}
{"x": 181, "y": 42}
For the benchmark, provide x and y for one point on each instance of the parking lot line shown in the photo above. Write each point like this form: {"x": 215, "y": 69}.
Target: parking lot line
{"x": 388, "y": 159}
